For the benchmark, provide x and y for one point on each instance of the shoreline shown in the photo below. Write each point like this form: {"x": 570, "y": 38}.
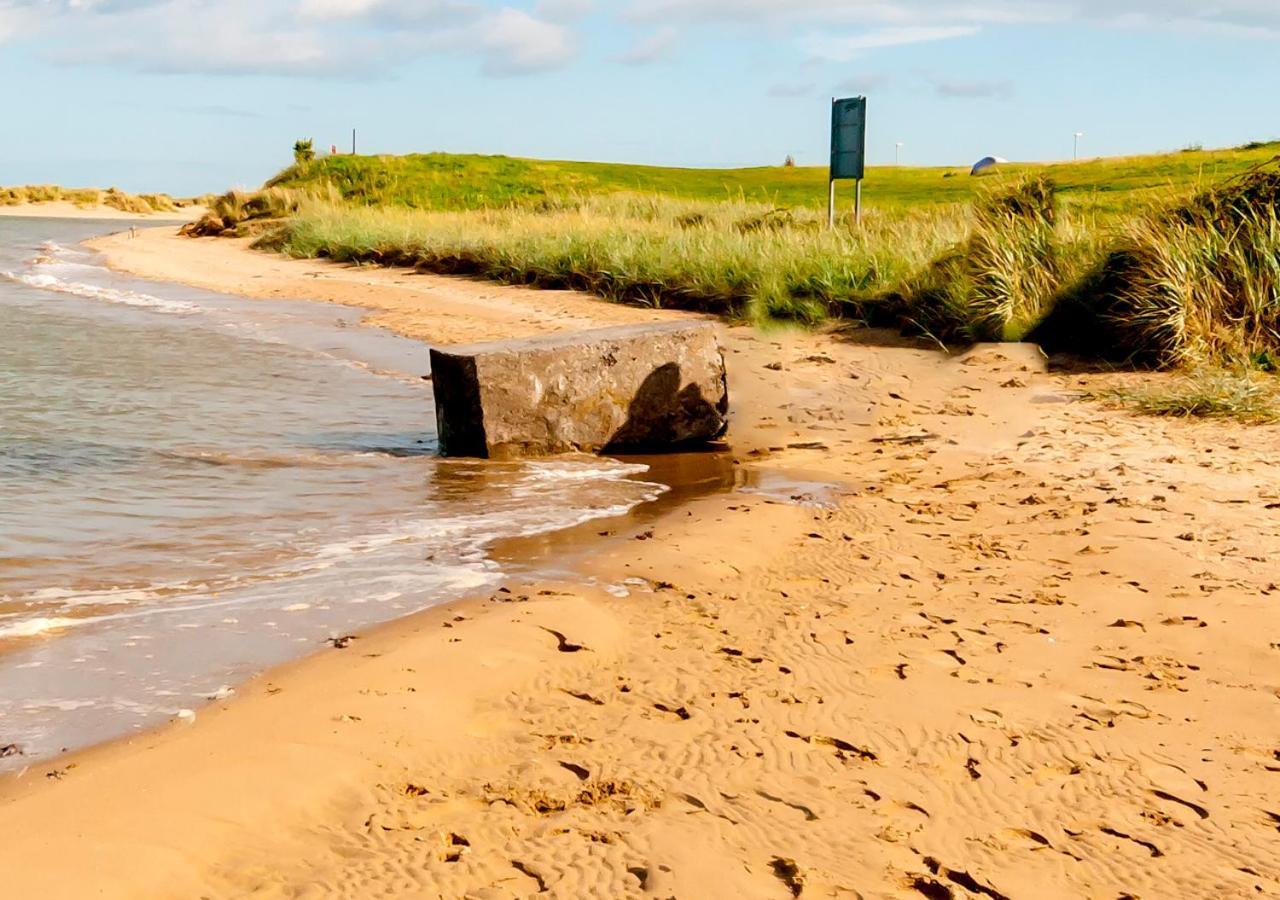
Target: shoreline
{"x": 993, "y": 656}
{"x": 65, "y": 209}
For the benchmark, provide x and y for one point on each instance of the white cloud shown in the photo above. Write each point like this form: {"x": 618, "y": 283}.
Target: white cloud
{"x": 651, "y": 48}
{"x": 325, "y": 38}
{"x": 336, "y": 9}
{"x": 1243, "y": 18}
{"x": 15, "y": 19}
{"x": 842, "y": 12}
{"x": 516, "y": 43}
{"x": 563, "y": 10}
{"x": 348, "y": 38}
{"x": 845, "y": 47}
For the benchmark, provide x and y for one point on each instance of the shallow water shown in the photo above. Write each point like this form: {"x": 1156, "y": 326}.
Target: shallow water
{"x": 195, "y": 486}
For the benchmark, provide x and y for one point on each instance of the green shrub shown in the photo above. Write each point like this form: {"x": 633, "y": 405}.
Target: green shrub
{"x": 998, "y": 283}
{"x": 1206, "y": 393}
{"x": 1192, "y": 283}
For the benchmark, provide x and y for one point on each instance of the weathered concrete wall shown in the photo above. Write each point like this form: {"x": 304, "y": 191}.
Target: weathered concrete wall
{"x": 637, "y": 386}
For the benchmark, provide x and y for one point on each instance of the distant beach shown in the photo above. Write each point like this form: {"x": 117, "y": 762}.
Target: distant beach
{"x": 61, "y": 209}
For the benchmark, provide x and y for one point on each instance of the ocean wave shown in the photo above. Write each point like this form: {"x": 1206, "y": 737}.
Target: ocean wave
{"x": 385, "y": 562}
{"x": 576, "y": 471}
{"x": 47, "y": 282}
{"x": 36, "y": 626}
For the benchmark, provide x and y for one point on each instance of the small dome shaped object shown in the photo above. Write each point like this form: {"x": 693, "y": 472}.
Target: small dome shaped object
{"x": 986, "y": 165}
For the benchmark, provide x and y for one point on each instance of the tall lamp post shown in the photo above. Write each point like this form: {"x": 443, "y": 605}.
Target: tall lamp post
{"x": 1075, "y": 150}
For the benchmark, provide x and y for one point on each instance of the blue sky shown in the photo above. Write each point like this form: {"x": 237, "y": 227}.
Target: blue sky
{"x": 194, "y": 95}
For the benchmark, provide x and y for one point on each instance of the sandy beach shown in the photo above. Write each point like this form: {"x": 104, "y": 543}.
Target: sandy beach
{"x": 65, "y": 209}
{"x": 960, "y": 632}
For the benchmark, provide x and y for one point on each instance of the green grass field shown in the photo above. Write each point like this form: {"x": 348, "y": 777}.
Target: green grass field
{"x": 444, "y": 181}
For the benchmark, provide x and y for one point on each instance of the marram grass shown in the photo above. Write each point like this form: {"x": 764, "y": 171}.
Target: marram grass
{"x": 1177, "y": 276}
{"x": 1206, "y": 393}
{"x": 88, "y": 198}
{"x": 997, "y": 283}
{"x": 1186, "y": 283}
{"x": 737, "y": 259}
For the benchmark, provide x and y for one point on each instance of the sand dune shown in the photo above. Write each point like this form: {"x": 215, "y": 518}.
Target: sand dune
{"x": 65, "y": 209}
{"x": 960, "y": 634}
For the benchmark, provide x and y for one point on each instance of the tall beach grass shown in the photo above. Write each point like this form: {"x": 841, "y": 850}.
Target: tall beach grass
{"x": 88, "y": 198}
{"x": 1181, "y": 277}
{"x": 1186, "y": 283}
{"x": 737, "y": 259}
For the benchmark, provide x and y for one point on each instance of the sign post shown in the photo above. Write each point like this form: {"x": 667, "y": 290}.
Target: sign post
{"x": 848, "y": 151}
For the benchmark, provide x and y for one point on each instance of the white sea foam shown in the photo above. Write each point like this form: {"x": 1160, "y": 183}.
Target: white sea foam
{"x": 47, "y": 282}
{"x": 36, "y": 627}
{"x": 583, "y": 471}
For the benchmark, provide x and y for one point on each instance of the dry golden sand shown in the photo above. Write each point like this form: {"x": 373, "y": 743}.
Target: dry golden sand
{"x": 1028, "y": 648}
{"x": 65, "y": 209}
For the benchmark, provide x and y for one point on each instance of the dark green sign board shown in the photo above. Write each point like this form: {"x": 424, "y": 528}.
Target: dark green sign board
{"x": 849, "y": 138}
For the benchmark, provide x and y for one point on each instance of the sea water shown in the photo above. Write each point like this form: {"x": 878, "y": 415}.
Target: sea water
{"x": 194, "y": 486}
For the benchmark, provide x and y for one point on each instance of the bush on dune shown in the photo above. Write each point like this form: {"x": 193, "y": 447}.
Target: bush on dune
{"x": 999, "y": 282}
{"x": 1192, "y": 283}
{"x": 238, "y": 213}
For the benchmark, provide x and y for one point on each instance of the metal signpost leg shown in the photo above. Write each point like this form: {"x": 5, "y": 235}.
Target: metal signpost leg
{"x": 848, "y": 151}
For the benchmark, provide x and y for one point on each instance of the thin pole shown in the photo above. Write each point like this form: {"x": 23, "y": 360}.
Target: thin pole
{"x": 857, "y": 204}
{"x": 353, "y": 142}
{"x": 831, "y": 204}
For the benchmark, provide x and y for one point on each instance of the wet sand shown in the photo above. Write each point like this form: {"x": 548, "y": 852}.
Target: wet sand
{"x": 963, "y": 634}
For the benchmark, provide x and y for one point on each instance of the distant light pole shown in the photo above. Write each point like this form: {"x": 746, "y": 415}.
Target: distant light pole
{"x": 1075, "y": 152}
{"x": 897, "y": 153}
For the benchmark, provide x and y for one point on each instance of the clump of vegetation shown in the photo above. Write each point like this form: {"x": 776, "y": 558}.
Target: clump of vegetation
{"x": 1242, "y": 395}
{"x": 304, "y": 151}
{"x": 736, "y": 259}
{"x": 1000, "y": 281}
{"x": 1192, "y": 283}
{"x": 88, "y": 198}
{"x": 241, "y": 213}
{"x": 138, "y": 203}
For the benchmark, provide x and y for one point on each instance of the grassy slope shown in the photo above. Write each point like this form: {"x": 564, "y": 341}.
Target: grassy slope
{"x": 1100, "y": 256}
{"x": 444, "y": 181}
